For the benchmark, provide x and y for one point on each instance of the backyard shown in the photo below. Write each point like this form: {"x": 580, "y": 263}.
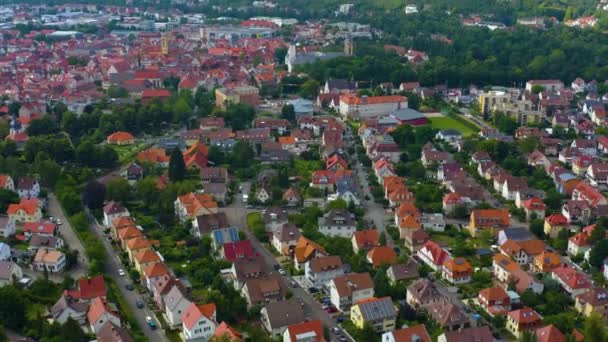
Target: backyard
{"x": 446, "y": 122}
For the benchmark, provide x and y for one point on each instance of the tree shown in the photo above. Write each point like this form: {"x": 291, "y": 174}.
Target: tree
{"x": 118, "y": 189}
{"x": 177, "y": 167}
{"x": 279, "y": 55}
{"x": 7, "y": 197}
{"x": 147, "y": 190}
{"x": 537, "y": 88}
{"x": 49, "y": 172}
{"x": 598, "y": 253}
{"x": 93, "y": 195}
{"x": 288, "y": 113}
{"x": 242, "y": 155}
{"x": 537, "y": 228}
{"x": 216, "y": 155}
{"x": 12, "y": 308}
{"x": 595, "y": 329}
{"x": 309, "y": 88}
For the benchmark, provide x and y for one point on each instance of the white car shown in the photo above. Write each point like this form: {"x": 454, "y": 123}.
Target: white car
{"x": 282, "y": 271}
{"x": 121, "y": 272}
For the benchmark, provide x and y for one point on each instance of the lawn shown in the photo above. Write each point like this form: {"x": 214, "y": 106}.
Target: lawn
{"x": 127, "y": 152}
{"x": 446, "y": 122}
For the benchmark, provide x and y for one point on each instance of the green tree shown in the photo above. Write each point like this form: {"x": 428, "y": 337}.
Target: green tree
{"x": 595, "y": 329}
{"x": 12, "y": 308}
{"x": 537, "y": 88}
{"x": 7, "y": 197}
{"x": 598, "y": 253}
{"x": 177, "y": 167}
{"x": 49, "y": 172}
{"x": 147, "y": 191}
{"x": 118, "y": 189}
{"x": 242, "y": 155}
{"x": 93, "y": 195}
{"x": 310, "y": 88}
{"x": 288, "y": 113}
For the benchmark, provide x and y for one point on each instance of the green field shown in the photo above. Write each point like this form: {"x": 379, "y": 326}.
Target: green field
{"x": 445, "y": 122}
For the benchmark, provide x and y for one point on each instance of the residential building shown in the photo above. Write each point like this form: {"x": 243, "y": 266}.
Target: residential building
{"x": 49, "y": 260}
{"x": 28, "y": 187}
{"x": 489, "y": 219}
{"x": 403, "y": 272}
{"x": 361, "y": 107}
{"x": 555, "y": 223}
{"x": 416, "y": 333}
{"x": 476, "y": 334}
{"x": 284, "y": 239}
{"x": 27, "y": 210}
{"x": 319, "y": 271}
{"x": 99, "y": 313}
{"x": 523, "y": 252}
{"x": 67, "y": 307}
{"x": 274, "y": 218}
{"x": 347, "y": 289}
{"x": 113, "y": 210}
{"x": 311, "y": 331}
{"x": 522, "y": 320}
{"x": 305, "y": 251}
{"x": 572, "y": 281}
{"x": 265, "y": 289}
{"x": 457, "y": 271}
{"x": 365, "y": 240}
{"x": 593, "y": 301}
{"x": 7, "y": 226}
{"x": 190, "y": 206}
{"x": 199, "y": 322}
{"x": 242, "y": 94}
{"x": 508, "y": 272}
{"x": 494, "y": 300}
{"x": 120, "y": 138}
{"x": 338, "y": 222}
{"x": 432, "y": 255}
{"x": 9, "y": 272}
{"x": 381, "y": 255}
{"x": 205, "y": 224}
{"x": 176, "y": 303}
{"x": 380, "y": 313}
{"x": 276, "y": 317}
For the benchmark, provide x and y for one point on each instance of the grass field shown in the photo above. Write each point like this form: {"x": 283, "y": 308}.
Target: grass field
{"x": 445, "y": 122}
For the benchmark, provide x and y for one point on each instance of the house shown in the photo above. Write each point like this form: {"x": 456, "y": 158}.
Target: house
{"x": 132, "y": 173}
{"x": 489, "y": 219}
{"x": 516, "y": 234}
{"x": 346, "y": 190}
{"x": 7, "y": 226}
{"x": 494, "y": 300}
{"x": 432, "y": 255}
{"x": 265, "y": 289}
{"x": 508, "y": 272}
{"x": 246, "y": 268}
{"x": 112, "y": 333}
{"x": 311, "y": 331}
{"x": 205, "y": 224}
{"x": 413, "y": 333}
{"x": 593, "y": 301}
{"x": 523, "y": 252}
{"x": 292, "y": 197}
{"x": 347, "y": 289}
{"x": 555, "y": 223}
{"x": 113, "y": 210}
{"x": 226, "y": 332}
{"x": 447, "y": 314}
{"x": 176, "y": 303}
{"x": 534, "y": 208}
{"x": 546, "y": 262}
{"x": 380, "y": 313}
{"x": 89, "y": 288}
{"x": 9, "y": 272}
{"x": 430, "y": 157}
{"x": 28, "y": 187}
{"x": 146, "y": 258}
{"x": 597, "y": 174}
{"x": 277, "y": 316}
{"x": 585, "y": 192}
{"x": 381, "y": 255}
{"x": 365, "y": 240}
{"x": 274, "y": 218}
{"x": 154, "y": 273}
{"x": 192, "y": 205}
{"x": 572, "y": 281}
{"x": 361, "y": 107}
{"x": 120, "y": 138}
{"x": 457, "y": 271}
{"x": 576, "y": 211}
{"x": 214, "y": 175}
{"x": 522, "y": 320}
{"x": 413, "y": 240}
{"x": 27, "y": 210}
{"x": 232, "y": 251}
{"x": 99, "y": 313}
{"x": 338, "y": 222}
{"x": 161, "y": 287}
{"x": 67, "y": 307}
{"x": 305, "y": 251}
{"x": 579, "y": 243}
{"x": 284, "y": 240}
{"x": 433, "y": 222}
{"x": 335, "y": 162}
{"x": 42, "y": 228}
{"x": 405, "y": 271}
{"x": 199, "y": 322}
{"x": 48, "y": 260}
{"x": 154, "y": 156}
{"x": 125, "y": 236}
{"x": 422, "y": 292}
{"x": 221, "y": 236}
{"x": 476, "y": 334}
{"x": 219, "y": 191}
{"x": 121, "y": 223}
{"x": 6, "y": 182}
{"x": 319, "y": 271}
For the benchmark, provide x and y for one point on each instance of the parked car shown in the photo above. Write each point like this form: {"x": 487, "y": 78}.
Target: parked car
{"x": 121, "y": 272}
{"x": 335, "y": 330}
{"x": 331, "y": 309}
{"x": 313, "y": 290}
{"x": 282, "y": 271}
{"x": 150, "y": 322}
{"x": 129, "y": 287}
{"x": 139, "y": 304}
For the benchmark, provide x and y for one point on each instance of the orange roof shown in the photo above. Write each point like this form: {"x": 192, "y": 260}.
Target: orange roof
{"x": 548, "y": 260}
{"x": 359, "y": 100}
{"x": 305, "y": 248}
{"x": 120, "y": 136}
{"x": 305, "y": 328}
{"x": 458, "y": 265}
{"x": 407, "y": 209}
{"x": 501, "y": 215}
{"x": 208, "y": 310}
{"x": 505, "y": 262}
{"x": 410, "y": 222}
{"x": 366, "y": 237}
{"x": 140, "y": 242}
{"x": 147, "y": 256}
{"x": 193, "y": 202}
{"x": 198, "y": 147}
{"x": 123, "y": 222}
{"x": 129, "y": 233}
{"x": 556, "y": 220}
{"x": 525, "y": 315}
{"x": 30, "y": 206}
{"x": 226, "y": 331}
{"x": 4, "y": 180}
{"x": 494, "y": 293}
{"x": 156, "y": 270}
{"x": 153, "y": 155}
{"x": 287, "y": 140}
{"x": 530, "y": 247}
{"x": 382, "y": 255}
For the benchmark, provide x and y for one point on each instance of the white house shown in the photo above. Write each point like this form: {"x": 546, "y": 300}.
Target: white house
{"x": 113, "y": 210}
{"x": 9, "y": 271}
{"x": 99, "y": 313}
{"x": 319, "y": 271}
{"x": 199, "y": 322}
{"x": 7, "y": 226}
{"x": 338, "y": 222}
{"x": 28, "y": 187}
{"x": 176, "y": 303}
{"x": 347, "y": 289}
{"x": 5, "y": 252}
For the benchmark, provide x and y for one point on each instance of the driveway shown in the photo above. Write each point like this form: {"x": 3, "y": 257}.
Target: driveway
{"x": 69, "y": 237}
{"x": 113, "y": 264}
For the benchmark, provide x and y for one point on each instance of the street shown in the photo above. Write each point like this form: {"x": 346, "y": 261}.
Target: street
{"x": 113, "y": 264}
{"x": 237, "y": 217}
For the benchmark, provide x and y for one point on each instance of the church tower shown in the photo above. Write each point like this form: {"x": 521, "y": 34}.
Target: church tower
{"x": 164, "y": 44}
{"x": 348, "y": 46}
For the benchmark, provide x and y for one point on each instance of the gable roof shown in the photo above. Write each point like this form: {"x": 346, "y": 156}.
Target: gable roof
{"x": 380, "y": 255}
{"x": 307, "y": 328}
{"x": 97, "y": 309}
{"x": 197, "y": 311}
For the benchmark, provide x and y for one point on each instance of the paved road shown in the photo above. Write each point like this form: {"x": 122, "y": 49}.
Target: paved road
{"x": 237, "y": 216}
{"x": 70, "y": 238}
{"x": 113, "y": 264}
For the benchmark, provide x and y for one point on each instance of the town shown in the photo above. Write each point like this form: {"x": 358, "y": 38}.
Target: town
{"x": 232, "y": 174}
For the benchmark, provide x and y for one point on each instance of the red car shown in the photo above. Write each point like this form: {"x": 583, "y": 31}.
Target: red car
{"x": 332, "y": 310}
